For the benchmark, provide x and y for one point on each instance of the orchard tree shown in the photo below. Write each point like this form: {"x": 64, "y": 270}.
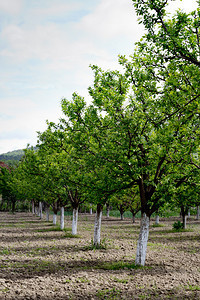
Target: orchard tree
{"x": 63, "y": 173}
{"x": 129, "y": 133}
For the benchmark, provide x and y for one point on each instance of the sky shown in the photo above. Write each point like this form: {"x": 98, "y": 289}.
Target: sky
{"x": 46, "y": 47}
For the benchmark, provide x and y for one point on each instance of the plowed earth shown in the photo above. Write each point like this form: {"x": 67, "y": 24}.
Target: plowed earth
{"x": 38, "y": 262}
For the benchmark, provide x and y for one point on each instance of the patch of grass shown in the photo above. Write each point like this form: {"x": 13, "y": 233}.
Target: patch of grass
{"x": 5, "y": 252}
{"x": 109, "y": 294}
{"x": 57, "y": 228}
{"x": 158, "y": 225}
{"x": 102, "y": 246}
{"x": 177, "y": 226}
{"x": 120, "y": 280}
{"x": 155, "y": 245}
{"x": 190, "y": 287}
{"x": 67, "y": 229}
{"x": 71, "y": 236}
{"x": 5, "y": 290}
{"x": 8, "y": 225}
{"x": 82, "y": 280}
{"x": 119, "y": 265}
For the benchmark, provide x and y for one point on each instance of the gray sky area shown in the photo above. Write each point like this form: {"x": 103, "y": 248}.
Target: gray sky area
{"x": 46, "y": 47}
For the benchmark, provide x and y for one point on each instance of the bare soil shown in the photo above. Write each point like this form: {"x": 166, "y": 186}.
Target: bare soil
{"x": 37, "y": 262}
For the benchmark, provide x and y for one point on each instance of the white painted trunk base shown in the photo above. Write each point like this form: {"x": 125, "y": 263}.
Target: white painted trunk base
{"x": 157, "y": 220}
{"x": 97, "y": 228}
{"x": 74, "y": 221}
{"x": 108, "y": 212}
{"x": 142, "y": 241}
{"x": 185, "y": 222}
{"x": 198, "y": 212}
{"x": 188, "y": 213}
{"x": 40, "y": 210}
{"x": 62, "y": 218}
{"x": 47, "y": 214}
{"x": 90, "y": 210}
{"x": 54, "y": 219}
{"x": 33, "y": 208}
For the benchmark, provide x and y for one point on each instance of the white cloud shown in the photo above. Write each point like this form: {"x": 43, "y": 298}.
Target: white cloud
{"x": 111, "y": 19}
{"x": 12, "y": 7}
{"x": 20, "y": 120}
{"x": 184, "y": 5}
{"x": 55, "y": 8}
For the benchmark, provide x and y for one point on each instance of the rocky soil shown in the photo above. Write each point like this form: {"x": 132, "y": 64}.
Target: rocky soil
{"x": 37, "y": 261}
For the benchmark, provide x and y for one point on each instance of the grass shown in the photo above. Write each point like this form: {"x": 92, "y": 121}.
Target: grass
{"x": 125, "y": 281}
{"x": 5, "y": 252}
{"x": 192, "y": 287}
{"x": 109, "y": 294}
{"x": 158, "y": 225}
{"x": 53, "y": 228}
{"x": 119, "y": 265}
{"x": 70, "y": 235}
{"x": 102, "y": 246}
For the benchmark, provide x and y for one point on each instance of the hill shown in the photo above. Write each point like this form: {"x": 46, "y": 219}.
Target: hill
{"x": 12, "y": 155}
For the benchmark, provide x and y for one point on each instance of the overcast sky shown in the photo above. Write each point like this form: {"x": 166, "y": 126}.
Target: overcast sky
{"x": 46, "y": 47}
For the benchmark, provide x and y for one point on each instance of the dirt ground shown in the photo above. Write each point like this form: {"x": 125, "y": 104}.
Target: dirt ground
{"x": 39, "y": 262}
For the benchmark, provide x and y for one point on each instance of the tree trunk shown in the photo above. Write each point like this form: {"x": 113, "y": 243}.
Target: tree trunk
{"x": 189, "y": 213}
{"x": 62, "y": 218}
{"x": 90, "y": 209}
{"x": 75, "y": 221}
{"x": 33, "y": 207}
{"x": 133, "y": 218}
{"x": 47, "y": 214}
{"x": 157, "y": 220}
{"x": 198, "y": 212}
{"x": 184, "y": 218}
{"x": 40, "y": 210}
{"x": 54, "y": 219}
{"x": 121, "y": 216}
{"x": 107, "y": 210}
{"x": 13, "y": 206}
{"x": 97, "y": 225}
{"x": 142, "y": 241}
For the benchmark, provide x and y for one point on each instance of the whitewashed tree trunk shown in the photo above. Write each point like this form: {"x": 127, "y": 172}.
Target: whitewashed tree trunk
{"x": 90, "y": 209}
{"x": 40, "y": 210}
{"x": 108, "y": 212}
{"x": 54, "y": 219}
{"x": 142, "y": 241}
{"x": 33, "y": 207}
{"x": 97, "y": 226}
{"x": 198, "y": 213}
{"x": 185, "y": 222}
{"x": 47, "y": 214}
{"x": 62, "y": 218}
{"x": 189, "y": 213}
{"x": 157, "y": 220}
{"x": 74, "y": 221}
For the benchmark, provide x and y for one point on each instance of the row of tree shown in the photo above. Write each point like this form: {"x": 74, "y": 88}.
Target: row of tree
{"x": 137, "y": 140}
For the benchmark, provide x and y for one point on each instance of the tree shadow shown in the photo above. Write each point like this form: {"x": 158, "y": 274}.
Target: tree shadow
{"x": 29, "y": 268}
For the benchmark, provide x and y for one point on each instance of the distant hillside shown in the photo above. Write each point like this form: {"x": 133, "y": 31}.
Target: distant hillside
{"x": 15, "y": 155}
